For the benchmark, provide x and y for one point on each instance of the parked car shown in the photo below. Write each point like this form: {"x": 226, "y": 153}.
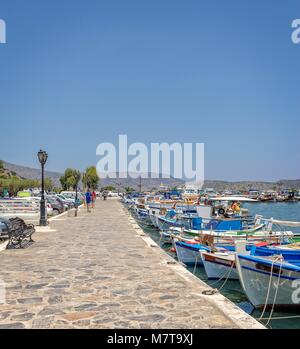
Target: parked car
{"x": 112, "y": 194}
{"x": 69, "y": 202}
{"x": 62, "y": 203}
{"x": 57, "y": 206}
{"x": 72, "y": 195}
{"x": 37, "y": 200}
{"x": 3, "y": 227}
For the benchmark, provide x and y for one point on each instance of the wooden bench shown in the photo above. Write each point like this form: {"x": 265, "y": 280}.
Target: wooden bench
{"x": 19, "y": 233}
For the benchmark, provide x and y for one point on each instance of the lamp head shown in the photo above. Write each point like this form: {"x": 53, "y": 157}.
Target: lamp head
{"x": 42, "y": 156}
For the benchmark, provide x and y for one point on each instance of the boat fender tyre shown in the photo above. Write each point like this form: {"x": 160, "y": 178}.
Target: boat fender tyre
{"x": 221, "y": 211}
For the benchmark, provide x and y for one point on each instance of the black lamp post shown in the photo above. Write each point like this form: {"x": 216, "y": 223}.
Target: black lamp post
{"x": 43, "y": 156}
{"x": 77, "y": 179}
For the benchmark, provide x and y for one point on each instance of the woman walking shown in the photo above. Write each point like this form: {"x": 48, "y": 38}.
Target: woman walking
{"x": 94, "y": 196}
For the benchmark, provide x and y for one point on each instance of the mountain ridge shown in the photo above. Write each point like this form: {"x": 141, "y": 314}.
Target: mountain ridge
{"x": 150, "y": 183}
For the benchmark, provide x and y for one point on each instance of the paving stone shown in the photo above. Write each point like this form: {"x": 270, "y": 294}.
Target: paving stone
{"x": 36, "y": 286}
{"x": 4, "y": 315}
{"x": 23, "y": 317}
{"x": 86, "y": 306}
{"x": 12, "y": 325}
{"x": 50, "y": 311}
{"x": 43, "y": 322}
{"x": 30, "y": 300}
{"x": 79, "y": 315}
{"x": 55, "y": 299}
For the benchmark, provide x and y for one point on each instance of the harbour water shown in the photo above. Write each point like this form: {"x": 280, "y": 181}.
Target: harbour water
{"x": 231, "y": 289}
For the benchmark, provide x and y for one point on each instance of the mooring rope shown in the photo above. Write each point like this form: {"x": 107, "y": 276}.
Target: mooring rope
{"x": 269, "y": 288}
{"x": 215, "y": 290}
{"x": 276, "y": 292}
{"x": 280, "y": 317}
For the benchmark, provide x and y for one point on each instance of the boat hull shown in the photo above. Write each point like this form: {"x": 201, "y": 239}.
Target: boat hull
{"x": 218, "y": 266}
{"x": 255, "y": 273}
{"x": 188, "y": 254}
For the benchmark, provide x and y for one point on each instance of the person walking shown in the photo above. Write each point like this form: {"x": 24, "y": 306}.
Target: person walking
{"x": 94, "y": 196}
{"x": 88, "y": 199}
{"x": 105, "y": 195}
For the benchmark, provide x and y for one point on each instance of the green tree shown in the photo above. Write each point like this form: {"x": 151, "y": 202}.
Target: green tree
{"x": 2, "y": 166}
{"x": 90, "y": 178}
{"x": 109, "y": 188}
{"x": 48, "y": 184}
{"x": 70, "y": 179}
{"x": 129, "y": 189}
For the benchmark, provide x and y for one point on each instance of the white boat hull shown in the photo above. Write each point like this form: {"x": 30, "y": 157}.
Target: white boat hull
{"x": 255, "y": 277}
{"x": 187, "y": 255}
{"x": 219, "y": 265}
{"x": 153, "y": 220}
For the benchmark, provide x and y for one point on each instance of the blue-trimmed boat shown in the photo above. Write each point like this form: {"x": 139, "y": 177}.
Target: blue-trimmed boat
{"x": 273, "y": 281}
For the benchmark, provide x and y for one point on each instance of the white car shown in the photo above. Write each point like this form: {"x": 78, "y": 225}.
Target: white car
{"x": 112, "y": 194}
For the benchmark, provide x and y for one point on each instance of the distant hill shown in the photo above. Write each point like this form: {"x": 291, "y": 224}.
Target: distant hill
{"x": 150, "y": 183}
{"x": 147, "y": 184}
{"x": 32, "y": 173}
{"x": 258, "y": 185}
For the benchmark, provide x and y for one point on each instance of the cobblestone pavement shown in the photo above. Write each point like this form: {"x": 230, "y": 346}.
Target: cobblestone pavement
{"x": 96, "y": 271}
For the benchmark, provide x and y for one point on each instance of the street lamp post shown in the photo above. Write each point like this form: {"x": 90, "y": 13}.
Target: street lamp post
{"x": 77, "y": 179}
{"x": 76, "y": 200}
{"x": 43, "y": 156}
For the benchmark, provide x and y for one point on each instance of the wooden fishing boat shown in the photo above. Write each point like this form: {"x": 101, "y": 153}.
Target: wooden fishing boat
{"x": 219, "y": 265}
{"x": 188, "y": 253}
{"x": 269, "y": 281}
{"x": 222, "y": 264}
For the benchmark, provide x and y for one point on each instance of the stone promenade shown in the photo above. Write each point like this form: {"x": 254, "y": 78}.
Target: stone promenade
{"x": 99, "y": 270}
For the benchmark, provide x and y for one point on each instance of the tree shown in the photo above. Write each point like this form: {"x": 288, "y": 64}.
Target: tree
{"x": 2, "y": 165}
{"x": 77, "y": 177}
{"x": 129, "y": 189}
{"x": 108, "y": 188}
{"x": 90, "y": 178}
{"x": 48, "y": 184}
{"x": 70, "y": 179}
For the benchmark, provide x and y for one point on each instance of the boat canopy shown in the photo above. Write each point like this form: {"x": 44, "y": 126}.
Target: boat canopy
{"x": 233, "y": 198}
{"x": 284, "y": 223}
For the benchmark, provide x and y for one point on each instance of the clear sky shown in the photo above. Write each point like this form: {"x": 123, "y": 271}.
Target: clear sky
{"x": 74, "y": 74}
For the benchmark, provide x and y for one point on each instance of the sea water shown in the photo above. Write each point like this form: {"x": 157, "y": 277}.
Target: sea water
{"x": 289, "y": 211}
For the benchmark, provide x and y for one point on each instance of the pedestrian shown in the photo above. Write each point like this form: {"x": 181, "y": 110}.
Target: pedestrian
{"x": 94, "y": 196}
{"x": 88, "y": 199}
{"x": 105, "y": 195}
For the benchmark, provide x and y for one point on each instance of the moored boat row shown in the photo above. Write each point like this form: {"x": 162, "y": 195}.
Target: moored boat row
{"x": 259, "y": 253}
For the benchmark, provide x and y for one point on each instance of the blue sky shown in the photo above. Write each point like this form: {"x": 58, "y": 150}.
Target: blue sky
{"x": 74, "y": 74}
